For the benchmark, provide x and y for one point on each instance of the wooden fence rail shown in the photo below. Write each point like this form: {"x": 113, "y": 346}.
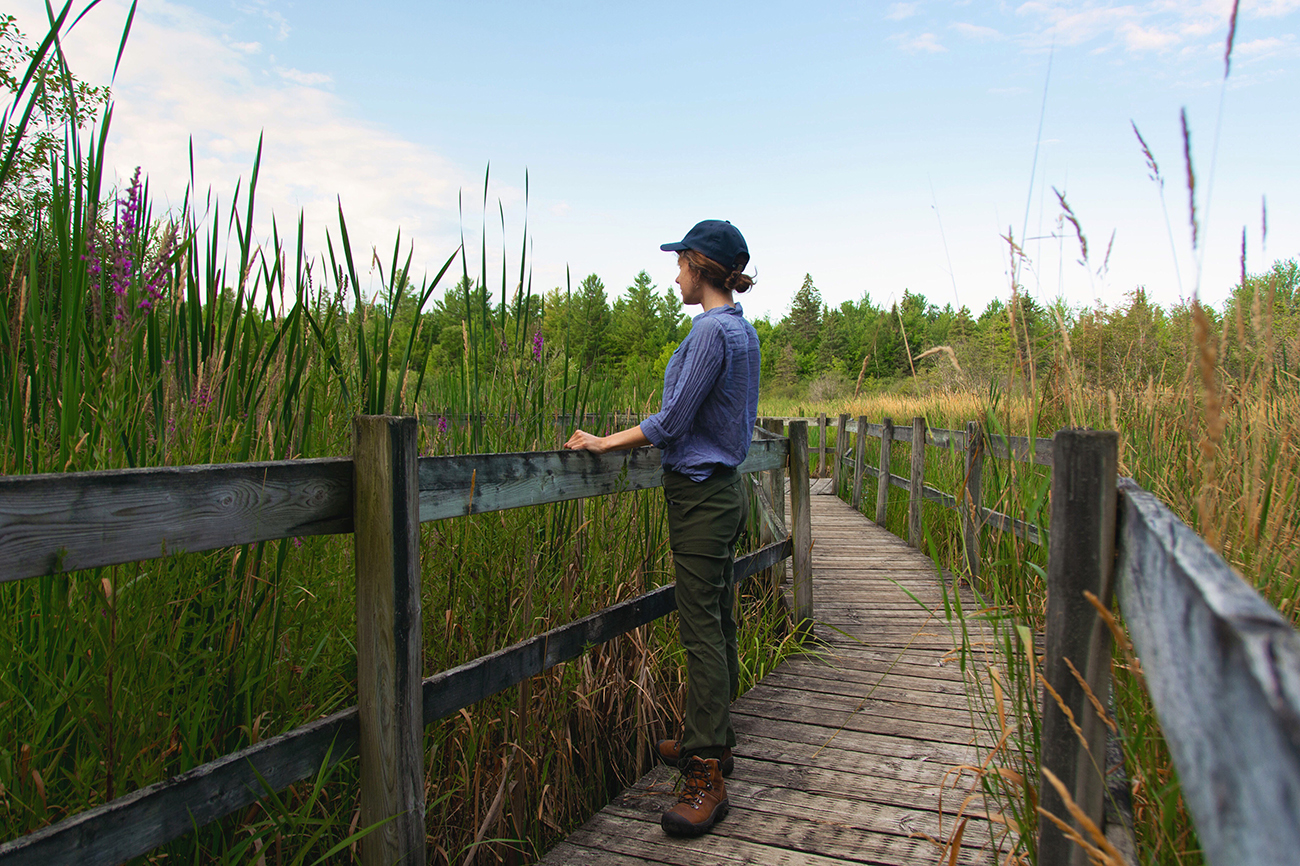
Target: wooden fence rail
{"x": 64, "y": 522}
{"x": 1222, "y": 666}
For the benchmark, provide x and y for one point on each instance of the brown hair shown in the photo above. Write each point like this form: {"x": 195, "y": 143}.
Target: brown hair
{"x": 714, "y": 274}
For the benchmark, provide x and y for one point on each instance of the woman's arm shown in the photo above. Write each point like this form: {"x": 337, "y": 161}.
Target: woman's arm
{"x": 623, "y": 440}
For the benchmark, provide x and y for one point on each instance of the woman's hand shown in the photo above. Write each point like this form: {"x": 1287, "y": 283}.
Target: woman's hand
{"x": 581, "y": 440}
{"x": 623, "y": 440}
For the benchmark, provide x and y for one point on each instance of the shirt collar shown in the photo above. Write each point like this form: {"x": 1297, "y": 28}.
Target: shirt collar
{"x": 733, "y": 310}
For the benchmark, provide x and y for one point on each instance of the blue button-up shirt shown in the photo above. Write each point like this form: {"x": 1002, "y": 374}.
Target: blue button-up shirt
{"x": 710, "y": 400}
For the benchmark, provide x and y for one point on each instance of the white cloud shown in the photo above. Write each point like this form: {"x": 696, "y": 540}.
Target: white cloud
{"x": 247, "y": 47}
{"x": 1265, "y": 47}
{"x": 976, "y": 31}
{"x": 900, "y": 11}
{"x": 1139, "y": 38}
{"x": 927, "y": 42}
{"x": 1155, "y": 26}
{"x": 307, "y": 79}
{"x": 182, "y": 79}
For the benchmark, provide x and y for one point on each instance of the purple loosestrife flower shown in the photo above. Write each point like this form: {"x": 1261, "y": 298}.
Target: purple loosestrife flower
{"x": 537, "y": 345}
{"x": 442, "y": 425}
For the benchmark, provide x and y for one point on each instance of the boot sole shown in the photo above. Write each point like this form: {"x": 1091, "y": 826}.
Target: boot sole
{"x": 674, "y": 826}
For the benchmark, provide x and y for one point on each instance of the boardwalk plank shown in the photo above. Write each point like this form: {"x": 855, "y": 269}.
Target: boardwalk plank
{"x": 849, "y": 753}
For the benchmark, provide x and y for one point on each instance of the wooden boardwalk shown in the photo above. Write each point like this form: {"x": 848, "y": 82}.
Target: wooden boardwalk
{"x": 842, "y": 755}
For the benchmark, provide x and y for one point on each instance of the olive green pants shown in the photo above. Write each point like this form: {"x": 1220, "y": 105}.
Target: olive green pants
{"x": 704, "y": 523}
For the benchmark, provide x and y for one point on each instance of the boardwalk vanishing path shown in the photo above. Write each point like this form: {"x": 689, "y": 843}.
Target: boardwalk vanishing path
{"x": 842, "y": 754}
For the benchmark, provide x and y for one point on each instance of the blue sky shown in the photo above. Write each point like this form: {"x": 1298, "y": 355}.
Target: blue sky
{"x": 877, "y": 146}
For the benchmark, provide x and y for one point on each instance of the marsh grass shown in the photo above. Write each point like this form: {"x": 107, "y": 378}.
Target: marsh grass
{"x": 1218, "y": 443}
{"x": 133, "y": 338}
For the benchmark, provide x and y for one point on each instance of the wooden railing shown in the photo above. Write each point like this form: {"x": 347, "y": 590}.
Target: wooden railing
{"x": 1221, "y": 665}
{"x": 58, "y": 523}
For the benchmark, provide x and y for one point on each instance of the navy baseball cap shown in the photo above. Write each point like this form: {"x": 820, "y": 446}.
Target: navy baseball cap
{"x": 717, "y": 239}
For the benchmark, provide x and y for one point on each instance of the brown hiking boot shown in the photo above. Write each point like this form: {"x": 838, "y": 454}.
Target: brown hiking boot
{"x": 703, "y": 801}
{"x": 670, "y": 752}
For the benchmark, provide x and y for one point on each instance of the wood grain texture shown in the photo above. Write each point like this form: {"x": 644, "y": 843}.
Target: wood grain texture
{"x": 477, "y": 483}
{"x": 450, "y": 691}
{"x": 821, "y": 445}
{"x": 840, "y": 757}
{"x": 1081, "y": 556}
{"x": 973, "y": 496}
{"x": 66, "y": 522}
{"x": 1223, "y": 670}
{"x": 141, "y": 821}
{"x": 133, "y": 825}
{"x": 915, "y": 484}
{"x": 859, "y": 463}
{"x": 1017, "y": 448}
{"x": 1028, "y": 531}
{"x": 841, "y": 449}
{"x": 389, "y": 638}
{"x": 883, "y": 473}
{"x": 801, "y": 526}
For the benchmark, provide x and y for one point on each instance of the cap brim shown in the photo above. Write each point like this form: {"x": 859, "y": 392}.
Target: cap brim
{"x": 675, "y": 247}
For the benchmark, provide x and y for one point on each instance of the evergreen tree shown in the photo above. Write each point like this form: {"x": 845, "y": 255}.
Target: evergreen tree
{"x": 589, "y": 321}
{"x": 806, "y": 316}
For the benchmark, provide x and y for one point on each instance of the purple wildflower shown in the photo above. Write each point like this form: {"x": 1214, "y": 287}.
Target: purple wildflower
{"x": 442, "y": 424}
{"x": 202, "y": 398}
{"x": 537, "y": 345}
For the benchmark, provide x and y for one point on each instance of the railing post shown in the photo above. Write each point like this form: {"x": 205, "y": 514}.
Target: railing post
{"x": 777, "y": 426}
{"x": 386, "y": 519}
{"x": 972, "y": 518}
{"x": 841, "y": 448}
{"x": 859, "y": 459}
{"x": 915, "y": 483}
{"x": 1081, "y": 557}
{"x": 801, "y": 527}
{"x": 821, "y": 445}
{"x": 882, "y": 483}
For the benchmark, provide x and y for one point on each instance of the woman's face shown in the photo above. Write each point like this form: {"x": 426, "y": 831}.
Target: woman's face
{"x": 692, "y": 287}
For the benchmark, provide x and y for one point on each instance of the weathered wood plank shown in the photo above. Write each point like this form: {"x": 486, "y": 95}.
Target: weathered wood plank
{"x": 973, "y": 496}
{"x": 141, "y": 821}
{"x": 801, "y": 526}
{"x": 859, "y": 462}
{"x": 883, "y": 476}
{"x": 390, "y": 646}
{"x": 1081, "y": 557}
{"x": 1028, "y": 531}
{"x": 821, "y": 445}
{"x": 1223, "y": 670}
{"x": 1017, "y": 448}
{"x": 477, "y": 483}
{"x": 841, "y": 449}
{"x": 65, "y": 522}
{"x": 452, "y": 690}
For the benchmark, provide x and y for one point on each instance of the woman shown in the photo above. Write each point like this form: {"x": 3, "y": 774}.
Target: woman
{"x": 710, "y": 403}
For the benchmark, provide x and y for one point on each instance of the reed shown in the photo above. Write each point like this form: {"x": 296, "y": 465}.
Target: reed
{"x": 138, "y": 338}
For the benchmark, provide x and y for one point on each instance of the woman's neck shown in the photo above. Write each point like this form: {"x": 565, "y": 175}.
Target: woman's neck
{"x": 715, "y": 297}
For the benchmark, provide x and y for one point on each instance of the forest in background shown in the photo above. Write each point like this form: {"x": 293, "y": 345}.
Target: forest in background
{"x": 818, "y": 355}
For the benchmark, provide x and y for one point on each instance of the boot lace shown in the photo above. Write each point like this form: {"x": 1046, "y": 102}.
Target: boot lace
{"x": 696, "y": 779}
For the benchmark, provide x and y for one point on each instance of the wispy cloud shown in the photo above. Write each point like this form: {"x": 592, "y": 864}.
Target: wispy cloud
{"x": 307, "y": 79}
{"x": 1155, "y": 26}
{"x": 182, "y": 79}
{"x": 977, "y": 31}
{"x": 922, "y": 42}
{"x": 900, "y": 11}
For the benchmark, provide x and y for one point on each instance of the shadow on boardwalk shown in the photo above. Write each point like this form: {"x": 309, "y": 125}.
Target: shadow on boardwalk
{"x": 842, "y": 755}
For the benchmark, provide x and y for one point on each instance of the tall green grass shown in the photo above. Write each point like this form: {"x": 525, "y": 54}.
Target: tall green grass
{"x": 139, "y": 338}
